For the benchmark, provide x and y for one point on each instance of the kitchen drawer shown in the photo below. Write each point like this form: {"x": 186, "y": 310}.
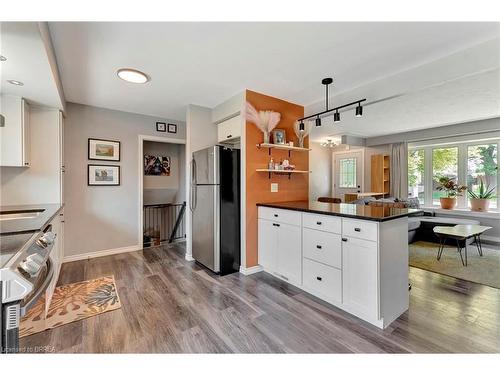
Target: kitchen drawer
{"x": 323, "y": 281}
{"x": 322, "y": 247}
{"x": 325, "y": 223}
{"x": 365, "y": 230}
{"x": 280, "y": 216}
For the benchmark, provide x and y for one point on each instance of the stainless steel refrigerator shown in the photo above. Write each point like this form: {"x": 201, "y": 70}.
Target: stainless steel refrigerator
{"x": 215, "y": 206}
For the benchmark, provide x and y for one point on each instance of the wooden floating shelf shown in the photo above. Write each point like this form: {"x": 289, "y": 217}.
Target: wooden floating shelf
{"x": 281, "y": 171}
{"x": 270, "y": 146}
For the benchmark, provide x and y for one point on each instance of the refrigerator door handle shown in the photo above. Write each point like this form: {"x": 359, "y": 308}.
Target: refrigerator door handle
{"x": 193, "y": 197}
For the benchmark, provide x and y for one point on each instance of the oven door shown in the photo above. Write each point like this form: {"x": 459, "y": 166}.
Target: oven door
{"x": 40, "y": 285}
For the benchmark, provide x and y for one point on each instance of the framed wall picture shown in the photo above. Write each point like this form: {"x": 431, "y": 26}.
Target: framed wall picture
{"x": 161, "y": 127}
{"x": 156, "y": 165}
{"x": 103, "y": 175}
{"x": 172, "y": 128}
{"x": 102, "y": 149}
{"x": 279, "y": 136}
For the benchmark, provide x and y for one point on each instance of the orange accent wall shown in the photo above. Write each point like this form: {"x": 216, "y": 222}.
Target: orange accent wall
{"x": 258, "y": 184}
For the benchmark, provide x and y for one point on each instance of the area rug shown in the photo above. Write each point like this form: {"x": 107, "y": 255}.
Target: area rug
{"x": 482, "y": 270}
{"x": 71, "y": 303}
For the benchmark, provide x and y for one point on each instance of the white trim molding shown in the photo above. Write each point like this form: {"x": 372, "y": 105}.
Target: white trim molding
{"x": 101, "y": 253}
{"x": 189, "y": 257}
{"x": 251, "y": 270}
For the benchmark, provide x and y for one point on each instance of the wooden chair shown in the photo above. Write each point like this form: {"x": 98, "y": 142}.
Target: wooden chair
{"x": 329, "y": 200}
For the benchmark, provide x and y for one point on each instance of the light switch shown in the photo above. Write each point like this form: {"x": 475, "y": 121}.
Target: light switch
{"x": 274, "y": 187}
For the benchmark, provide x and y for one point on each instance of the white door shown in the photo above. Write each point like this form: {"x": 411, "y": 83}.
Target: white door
{"x": 268, "y": 245}
{"x": 359, "y": 276}
{"x": 289, "y": 253}
{"x": 348, "y": 173}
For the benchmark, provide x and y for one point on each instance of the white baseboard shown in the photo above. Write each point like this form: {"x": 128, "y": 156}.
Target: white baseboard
{"x": 101, "y": 253}
{"x": 251, "y": 270}
{"x": 189, "y": 257}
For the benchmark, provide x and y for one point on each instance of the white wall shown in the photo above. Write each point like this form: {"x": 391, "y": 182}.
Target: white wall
{"x": 165, "y": 189}
{"x": 38, "y": 184}
{"x": 320, "y": 165}
{"x": 104, "y": 217}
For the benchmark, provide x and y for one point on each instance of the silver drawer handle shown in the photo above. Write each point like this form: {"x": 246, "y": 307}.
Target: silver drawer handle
{"x": 357, "y": 229}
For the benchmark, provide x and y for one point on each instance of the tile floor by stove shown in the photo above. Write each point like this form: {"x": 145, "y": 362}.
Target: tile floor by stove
{"x": 170, "y": 305}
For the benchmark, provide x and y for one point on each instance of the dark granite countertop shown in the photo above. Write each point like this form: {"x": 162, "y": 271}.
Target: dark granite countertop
{"x": 24, "y": 225}
{"x": 354, "y": 211}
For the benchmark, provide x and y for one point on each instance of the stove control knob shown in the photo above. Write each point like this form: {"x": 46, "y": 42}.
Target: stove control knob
{"x": 30, "y": 267}
{"x": 46, "y": 240}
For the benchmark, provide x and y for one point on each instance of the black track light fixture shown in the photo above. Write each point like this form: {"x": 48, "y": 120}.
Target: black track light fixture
{"x": 301, "y": 126}
{"x": 359, "y": 110}
{"x": 318, "y": 121}
{"x": 336, "y": 116}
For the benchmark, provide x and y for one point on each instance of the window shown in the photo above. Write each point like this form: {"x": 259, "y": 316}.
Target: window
{"x": 347, "y": 173}
{"x": 482, "y": 164}
{"x": 466, "y": 161}
{"x": 444, "y": 164}
{"x": 416, "y": 187}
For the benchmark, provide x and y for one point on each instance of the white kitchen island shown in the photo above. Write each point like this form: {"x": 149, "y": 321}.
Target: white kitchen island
{"x": 352, "y": 256}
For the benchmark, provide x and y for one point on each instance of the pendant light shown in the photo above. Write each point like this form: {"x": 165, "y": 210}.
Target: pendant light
{"x": 318, "y": 121}
{"x": 301, "y": 126}
{"x": 336, "y": 116}
{"x": 359, "y": 110}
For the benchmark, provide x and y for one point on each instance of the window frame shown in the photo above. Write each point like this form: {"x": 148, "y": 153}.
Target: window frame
{"x": 462, "y": 168}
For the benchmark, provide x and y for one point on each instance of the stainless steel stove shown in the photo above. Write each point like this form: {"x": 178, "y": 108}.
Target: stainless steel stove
{"x": 25, "y": 273}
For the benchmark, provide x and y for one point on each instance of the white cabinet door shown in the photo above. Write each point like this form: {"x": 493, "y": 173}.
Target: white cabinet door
{"x": 229, "y": 130}
{"x": 290, "y": 253}
{"x": 15, "y": 134}
{"x": 359, "y": 276}
{"x": 268, "y": 245}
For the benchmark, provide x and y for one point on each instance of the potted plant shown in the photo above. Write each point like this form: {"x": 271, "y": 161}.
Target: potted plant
{"x": 480, "y": 200}
{"x": 452, "y": 189}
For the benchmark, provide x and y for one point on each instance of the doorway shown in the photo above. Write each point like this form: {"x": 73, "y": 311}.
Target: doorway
{"x": 348, "y": 173}
{"x": 162, "y": 190}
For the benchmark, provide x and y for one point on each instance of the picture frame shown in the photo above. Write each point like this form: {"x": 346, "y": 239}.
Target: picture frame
{"x": 161, "y": 127}
{"x": 103, "y": 175}
{"x": 172, "y": 128}
{"x": 104, "y": 149}
{"x": 279, "y": 136}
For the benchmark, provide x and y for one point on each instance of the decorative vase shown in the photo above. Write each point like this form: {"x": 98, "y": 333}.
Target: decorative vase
{"x": 480, "y": 205}
{"x": 266, "y": 137}
{"x": 301, "y": 142}
{"x": 448, "y": 203}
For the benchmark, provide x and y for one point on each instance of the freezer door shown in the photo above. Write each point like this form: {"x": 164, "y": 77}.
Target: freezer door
{"x": 206, "y": 165}
{"x": 206, "y": 241}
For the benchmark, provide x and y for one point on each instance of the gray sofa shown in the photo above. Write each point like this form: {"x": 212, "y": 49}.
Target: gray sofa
{"x": 420, "y": 226}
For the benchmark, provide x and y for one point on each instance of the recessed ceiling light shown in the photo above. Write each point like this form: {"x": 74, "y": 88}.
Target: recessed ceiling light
{"x": 3, "y": 58}
{"x": 133, "y": 75}
{"x": 14, "y": 82}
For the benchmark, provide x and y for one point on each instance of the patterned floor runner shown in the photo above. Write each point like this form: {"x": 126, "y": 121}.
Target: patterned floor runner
{"x": 71, "y": 303}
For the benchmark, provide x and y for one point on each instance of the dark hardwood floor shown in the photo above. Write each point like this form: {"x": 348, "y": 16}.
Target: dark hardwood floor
{"x": 170, "y": 305}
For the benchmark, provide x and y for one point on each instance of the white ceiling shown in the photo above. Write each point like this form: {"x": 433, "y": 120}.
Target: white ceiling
{"x": 206, "y": 63}
{"x": 28, "y": 61}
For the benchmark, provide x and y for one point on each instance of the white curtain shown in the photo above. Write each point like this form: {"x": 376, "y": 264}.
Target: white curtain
{"x": 399, "y": 170}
